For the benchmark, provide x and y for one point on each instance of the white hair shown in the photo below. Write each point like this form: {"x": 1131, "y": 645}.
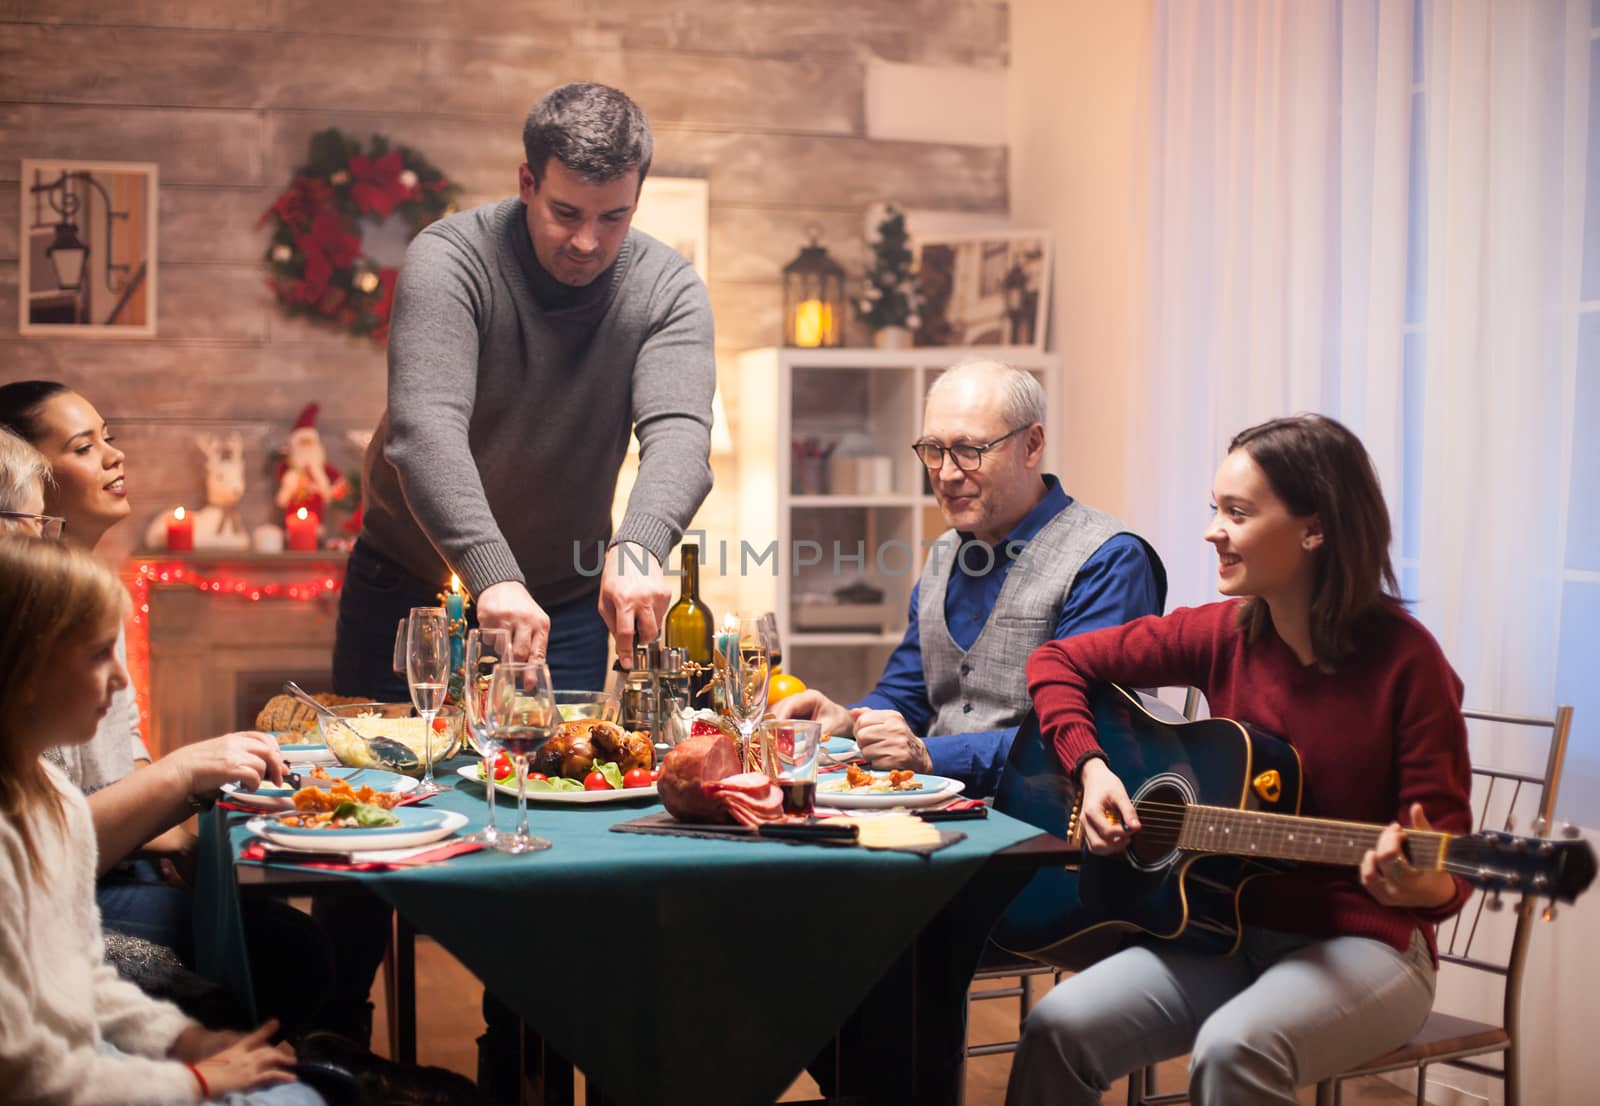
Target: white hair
{"x": 22, "y": 469}
{"x": 1021, "y": 395}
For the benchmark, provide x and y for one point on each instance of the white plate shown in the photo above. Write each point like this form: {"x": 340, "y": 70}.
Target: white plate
{"x": 935, "y": 790}
{"x": 269, "y": 796}
{"x": 439, "y": 824}
{"x": 841, "y": 748}
{"x": 571, "y": 798}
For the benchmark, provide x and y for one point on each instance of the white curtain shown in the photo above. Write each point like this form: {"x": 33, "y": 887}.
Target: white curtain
{"x": 1289, "y": 197}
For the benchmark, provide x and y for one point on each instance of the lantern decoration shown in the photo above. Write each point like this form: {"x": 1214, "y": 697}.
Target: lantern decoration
{"x": 813, "y": 298}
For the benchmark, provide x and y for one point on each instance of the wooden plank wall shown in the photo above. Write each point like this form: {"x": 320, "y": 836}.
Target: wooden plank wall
{"x": 765, "y": 98}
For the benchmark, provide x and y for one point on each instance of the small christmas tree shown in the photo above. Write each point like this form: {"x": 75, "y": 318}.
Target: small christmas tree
{"x": 890, "y": 295}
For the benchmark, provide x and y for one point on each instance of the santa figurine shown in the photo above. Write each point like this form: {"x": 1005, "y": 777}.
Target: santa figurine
{"x": 305, "y": 479}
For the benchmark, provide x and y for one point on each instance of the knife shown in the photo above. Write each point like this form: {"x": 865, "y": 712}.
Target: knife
{"x": 823, "y": 833}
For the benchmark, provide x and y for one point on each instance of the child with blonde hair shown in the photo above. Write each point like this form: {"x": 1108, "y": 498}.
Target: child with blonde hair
{"x": 71, "y": 1032}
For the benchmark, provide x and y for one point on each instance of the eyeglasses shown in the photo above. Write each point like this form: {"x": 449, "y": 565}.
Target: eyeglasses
{"x": 46, "y": 526}
{"x": 968, "y": 458}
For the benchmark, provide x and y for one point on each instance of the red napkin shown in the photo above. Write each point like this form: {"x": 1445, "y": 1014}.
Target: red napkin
{"x": 962, "y": 804}
{"x": 254, "y": 852}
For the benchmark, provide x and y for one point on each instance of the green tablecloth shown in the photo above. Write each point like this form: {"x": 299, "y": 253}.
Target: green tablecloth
{"x": 669, "y": 970}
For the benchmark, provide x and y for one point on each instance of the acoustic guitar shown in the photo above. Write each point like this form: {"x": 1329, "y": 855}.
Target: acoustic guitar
{"x": 1218, "y": 804}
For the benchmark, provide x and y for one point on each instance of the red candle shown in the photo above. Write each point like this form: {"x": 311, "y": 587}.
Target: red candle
{"x": 180, "y": 532}
{"x": 301, "y": 527}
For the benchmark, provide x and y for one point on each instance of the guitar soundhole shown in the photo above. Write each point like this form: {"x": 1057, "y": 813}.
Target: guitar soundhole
{"x": 1160, "y": 804}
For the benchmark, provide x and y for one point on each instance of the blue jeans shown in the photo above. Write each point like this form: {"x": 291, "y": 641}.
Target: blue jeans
{"x": 286, "y": 948}
{"x": 378, "y": 593}
{"x": 1285, "y": 1011}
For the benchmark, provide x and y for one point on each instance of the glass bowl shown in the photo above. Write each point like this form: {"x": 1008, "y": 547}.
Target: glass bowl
{"x": 587, "y": 704}
{"x": 399, "y": 732}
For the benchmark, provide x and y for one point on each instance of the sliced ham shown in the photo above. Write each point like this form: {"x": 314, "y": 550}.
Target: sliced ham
{"x": 688, "y": 768}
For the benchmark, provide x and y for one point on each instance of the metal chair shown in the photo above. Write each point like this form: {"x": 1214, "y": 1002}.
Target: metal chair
{"x": 1501, "y": 798}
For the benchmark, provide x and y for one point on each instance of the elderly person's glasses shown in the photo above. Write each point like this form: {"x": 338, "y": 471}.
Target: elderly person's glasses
{"x": 968, "y": 458}
{"x": 44, "y": 526}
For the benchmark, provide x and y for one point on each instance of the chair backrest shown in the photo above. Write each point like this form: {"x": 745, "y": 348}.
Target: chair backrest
{"x": 1511, "y": 801}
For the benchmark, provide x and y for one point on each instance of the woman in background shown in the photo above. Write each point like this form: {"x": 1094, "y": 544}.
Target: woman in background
{"x": 138, "y": 807}
{"x": 1335, "y": 966}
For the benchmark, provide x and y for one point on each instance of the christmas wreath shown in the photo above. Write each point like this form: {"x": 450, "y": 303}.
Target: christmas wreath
{"x": 315, "y": 256}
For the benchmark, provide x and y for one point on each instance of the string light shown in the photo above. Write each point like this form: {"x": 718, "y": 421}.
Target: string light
{"x": 169, "y": 573}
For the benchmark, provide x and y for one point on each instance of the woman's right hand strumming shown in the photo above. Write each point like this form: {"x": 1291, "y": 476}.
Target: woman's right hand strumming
{"x": 248, "y": 1063}
{"x": 1109, "y": 820}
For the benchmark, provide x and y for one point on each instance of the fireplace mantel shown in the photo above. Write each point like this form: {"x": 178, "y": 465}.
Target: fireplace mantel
{"x": 214, "y": 635}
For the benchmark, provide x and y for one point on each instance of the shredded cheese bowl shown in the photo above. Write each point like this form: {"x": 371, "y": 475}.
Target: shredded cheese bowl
{"x": 396, "y": 722}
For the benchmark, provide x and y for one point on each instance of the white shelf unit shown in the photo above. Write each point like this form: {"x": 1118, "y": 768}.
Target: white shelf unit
{"x": 859, "y": 402}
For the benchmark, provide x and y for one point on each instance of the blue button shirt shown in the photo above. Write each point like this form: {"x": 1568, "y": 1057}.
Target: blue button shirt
{"x": 1115, "y": 585}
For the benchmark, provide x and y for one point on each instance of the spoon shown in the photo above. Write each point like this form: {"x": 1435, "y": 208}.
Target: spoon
{"x": 386, "y": 750}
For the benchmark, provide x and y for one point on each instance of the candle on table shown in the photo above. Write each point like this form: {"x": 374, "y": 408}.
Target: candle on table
{"x": 180, "y": 532}
{"x": 301, "y": 527}
{"x": 813, "y": 319}
{"x": 453, "y": 602}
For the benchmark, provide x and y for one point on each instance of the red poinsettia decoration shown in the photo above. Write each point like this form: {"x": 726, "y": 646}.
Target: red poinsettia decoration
{"x": 317, "y": 265}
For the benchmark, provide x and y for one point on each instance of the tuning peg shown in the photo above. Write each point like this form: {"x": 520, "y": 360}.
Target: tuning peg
{"x": 1568, "y": 830}
{"x": 1493, "y": 903}
{"x": 1541, "y": 825}
{"x": 1549, "y": 914}
{"x": 1540, "y": 883}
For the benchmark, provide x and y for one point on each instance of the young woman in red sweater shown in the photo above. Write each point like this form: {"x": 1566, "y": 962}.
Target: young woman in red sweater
{"x": 1336, "y": 965}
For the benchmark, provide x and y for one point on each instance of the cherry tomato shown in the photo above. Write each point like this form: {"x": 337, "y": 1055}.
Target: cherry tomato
{"x": 537, "y": 776}
{"x": 596, "y": 781}
{"x": 440, "y": 725}
{"x": 502, "y": 766}
{"x": 638, "y": 777}
{"x": 655, "y": 774}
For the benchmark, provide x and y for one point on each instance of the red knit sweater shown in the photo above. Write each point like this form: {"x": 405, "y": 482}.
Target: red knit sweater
{"x": 1380, "y": 733}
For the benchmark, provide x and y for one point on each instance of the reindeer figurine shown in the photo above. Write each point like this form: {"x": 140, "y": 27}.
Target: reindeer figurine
{"x": 217, "y": 525}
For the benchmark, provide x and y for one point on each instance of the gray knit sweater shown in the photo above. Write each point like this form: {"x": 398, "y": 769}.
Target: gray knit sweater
{"x": 508, "y": 421}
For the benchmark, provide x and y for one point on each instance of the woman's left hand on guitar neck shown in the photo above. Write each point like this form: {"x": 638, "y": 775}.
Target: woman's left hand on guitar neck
{"x": 1391, "y": 879}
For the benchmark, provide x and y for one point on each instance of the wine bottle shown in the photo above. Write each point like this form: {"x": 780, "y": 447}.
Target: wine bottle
{"x": 689, "y": 627}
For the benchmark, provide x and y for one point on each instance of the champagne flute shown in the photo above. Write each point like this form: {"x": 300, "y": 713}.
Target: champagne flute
{"x": 521, "y": 712}
{"x": 485, "y": 650}
{"x": 428, "y": 675}
{"x": 749, "y": 655}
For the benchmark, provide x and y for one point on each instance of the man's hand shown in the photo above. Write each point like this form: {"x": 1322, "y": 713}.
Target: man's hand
{"x": 634, "y": 596}
{"x": 247, "y": 757}
{"x": 1391, "y": 879}
{"x": 508, "y": 606}
{"x": 813, "y": 705}
{"x": 887, "y": 742}
{"x": 1109, "y": 820}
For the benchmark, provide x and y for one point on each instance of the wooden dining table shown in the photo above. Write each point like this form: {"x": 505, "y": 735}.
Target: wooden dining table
{"x": 684, "y": 970}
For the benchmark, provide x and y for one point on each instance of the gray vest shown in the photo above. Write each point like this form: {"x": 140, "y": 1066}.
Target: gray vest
{"x": 983, "y": 688}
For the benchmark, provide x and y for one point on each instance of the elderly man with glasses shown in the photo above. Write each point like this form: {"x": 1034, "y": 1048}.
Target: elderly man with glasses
{"x": 24, "y": 471}
{"x": 1023, "y": 563}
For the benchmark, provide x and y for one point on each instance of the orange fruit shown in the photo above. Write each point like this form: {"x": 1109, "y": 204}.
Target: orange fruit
{"x": 782, "y": 685}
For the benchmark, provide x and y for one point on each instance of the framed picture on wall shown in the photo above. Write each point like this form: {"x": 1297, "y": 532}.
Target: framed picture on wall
{"x": 88, "y": 249}
{"x": 676, "y": 210}
{"x": 984, "y": 290}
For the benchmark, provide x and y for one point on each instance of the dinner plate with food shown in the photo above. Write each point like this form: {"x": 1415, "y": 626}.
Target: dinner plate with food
{"x": 860, "y": 789}
{"x": 355, "y": 826}
{"x": 587, "y": 760}
{"x": 271, "y": 796}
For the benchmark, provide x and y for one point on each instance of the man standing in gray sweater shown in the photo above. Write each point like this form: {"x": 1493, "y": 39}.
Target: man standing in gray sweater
{"x": 529, "y": 338}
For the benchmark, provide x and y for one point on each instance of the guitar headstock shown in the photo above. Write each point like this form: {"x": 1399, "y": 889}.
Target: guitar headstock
{"x": 1557, "y": 870}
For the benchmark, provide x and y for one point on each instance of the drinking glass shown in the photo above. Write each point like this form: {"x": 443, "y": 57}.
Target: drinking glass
{"x": 790, "y": 748}
{"x": 748, "y": 654}
{"x": 522, "y": 715}
{"x": 769, "y": 622}
{"x": 428, "y": 676}
{"x": 485, "y": 649}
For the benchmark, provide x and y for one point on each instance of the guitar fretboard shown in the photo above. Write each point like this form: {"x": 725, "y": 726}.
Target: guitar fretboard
{"x": 1216, "y": 829}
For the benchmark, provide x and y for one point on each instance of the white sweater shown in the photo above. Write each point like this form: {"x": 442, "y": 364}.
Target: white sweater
{"x": 58, "y": 997}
